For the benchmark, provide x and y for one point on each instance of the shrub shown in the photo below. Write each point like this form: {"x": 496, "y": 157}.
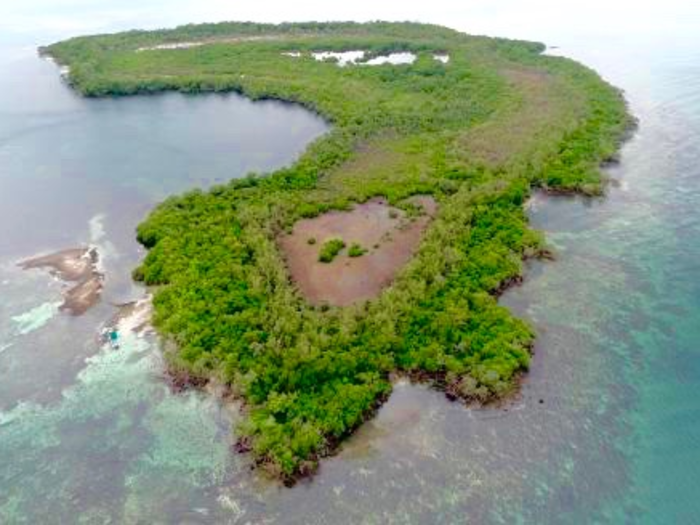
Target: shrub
{"x": 330, "y": 250}
{"x": 356, "y": 250}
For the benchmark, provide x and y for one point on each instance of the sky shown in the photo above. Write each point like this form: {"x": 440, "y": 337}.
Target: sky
{"x": 32, "y": 21}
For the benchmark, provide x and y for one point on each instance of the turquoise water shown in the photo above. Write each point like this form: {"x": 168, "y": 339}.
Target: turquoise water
{"x": 607, "y": 429}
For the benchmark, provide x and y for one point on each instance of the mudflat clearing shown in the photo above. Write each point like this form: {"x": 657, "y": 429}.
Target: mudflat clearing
{"x": 388, "y": 234}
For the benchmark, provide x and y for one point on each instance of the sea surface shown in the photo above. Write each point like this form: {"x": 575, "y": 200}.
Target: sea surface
{"x": 607, "y": 429}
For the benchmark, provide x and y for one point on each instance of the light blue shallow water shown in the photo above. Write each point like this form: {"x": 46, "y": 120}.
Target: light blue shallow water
{"x": 608, "y": 426}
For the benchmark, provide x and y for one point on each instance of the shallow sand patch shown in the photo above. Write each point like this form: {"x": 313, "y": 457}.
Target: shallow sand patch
{"x": 389, "y": 235}
{"x": 392, "y": 58}
{"x": 174, "y": 45}
{"x": 343, "y": 58}
{"x": 209, "y": 41}
{"x": 79, "y": 266}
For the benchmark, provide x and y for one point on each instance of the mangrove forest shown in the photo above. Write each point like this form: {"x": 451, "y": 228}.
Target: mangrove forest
{"x": 475, "y": 124}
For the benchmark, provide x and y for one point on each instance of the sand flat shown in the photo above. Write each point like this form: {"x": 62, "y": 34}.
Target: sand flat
{"x": 75, "y": 265}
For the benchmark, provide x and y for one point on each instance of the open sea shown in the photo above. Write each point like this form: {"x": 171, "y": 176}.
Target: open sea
{"x": 607, "y": 429}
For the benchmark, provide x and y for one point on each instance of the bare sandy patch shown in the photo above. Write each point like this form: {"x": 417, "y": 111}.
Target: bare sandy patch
{"x": 79, "y": 266}
{"x": 343, "y": 58}
{"x": 213, "y": 40}
{"x": 388, "y": 234}
{"x": 395, "y": 59}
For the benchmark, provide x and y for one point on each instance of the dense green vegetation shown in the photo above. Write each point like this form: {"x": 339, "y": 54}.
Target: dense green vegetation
{"x": 330, "y": 249}
{"x": 356, "y": 250}
{"x": 476, "y": 133}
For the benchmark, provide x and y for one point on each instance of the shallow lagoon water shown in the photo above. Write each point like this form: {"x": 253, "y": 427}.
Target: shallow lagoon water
{"x": 76, "y": 172}
{"x": 606, "y": 429}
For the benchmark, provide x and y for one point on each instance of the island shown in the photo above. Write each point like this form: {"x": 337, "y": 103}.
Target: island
{"x": 381, "y": 252}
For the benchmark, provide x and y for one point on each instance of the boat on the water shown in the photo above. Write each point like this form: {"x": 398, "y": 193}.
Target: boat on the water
{"x": 111, "y": 335}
